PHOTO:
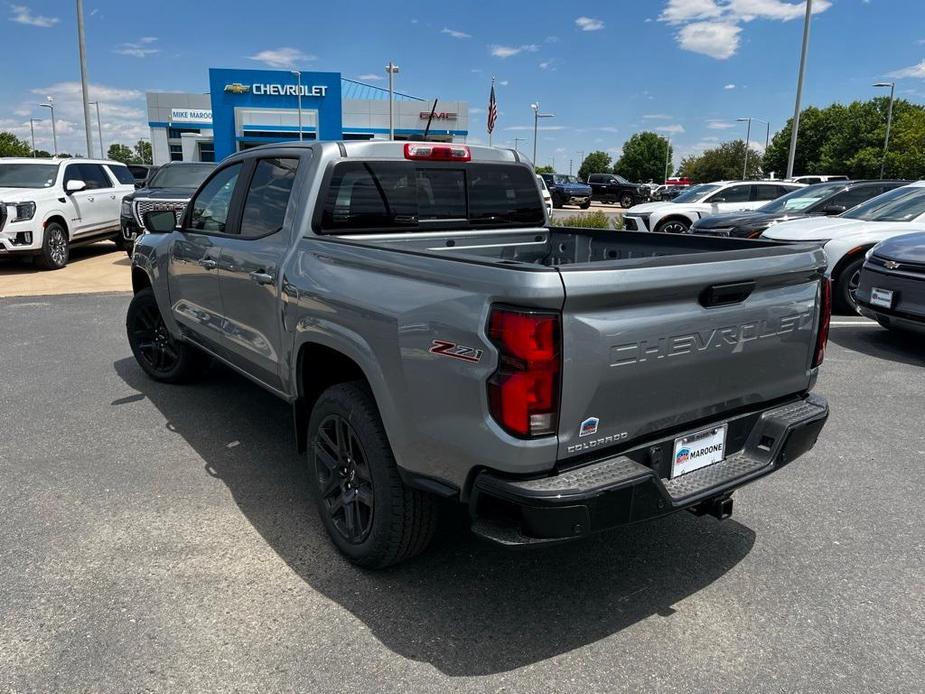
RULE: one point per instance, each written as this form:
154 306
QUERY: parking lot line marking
864 324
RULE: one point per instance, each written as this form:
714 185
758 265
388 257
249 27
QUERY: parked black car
608 187
892 284
567 190
667 192
169 188
812 201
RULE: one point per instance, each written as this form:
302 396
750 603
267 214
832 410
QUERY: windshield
28 175
622 180
802 198
695 193
393 196
185 176
562 178
897 205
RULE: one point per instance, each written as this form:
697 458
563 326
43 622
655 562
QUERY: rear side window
389 196
766 193
268 197
123 175
209 209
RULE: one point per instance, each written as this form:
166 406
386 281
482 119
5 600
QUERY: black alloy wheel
673 226
156 348
626 200
344 478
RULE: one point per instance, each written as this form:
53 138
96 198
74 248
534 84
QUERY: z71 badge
451 349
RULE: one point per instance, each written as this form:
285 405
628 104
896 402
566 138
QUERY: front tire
368 512
157 352
673 226
626 201
846 284
56 248
585 205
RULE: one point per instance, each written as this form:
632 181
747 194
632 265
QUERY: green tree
596 162
544 169
42 154
12 146
722 163
121 153
643 158
143 152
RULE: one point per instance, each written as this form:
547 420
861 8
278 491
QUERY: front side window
268 197
209 209
93 176
898 205
731 194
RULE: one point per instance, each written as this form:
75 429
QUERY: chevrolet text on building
289 90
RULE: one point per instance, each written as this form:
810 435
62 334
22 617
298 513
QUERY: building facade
246 108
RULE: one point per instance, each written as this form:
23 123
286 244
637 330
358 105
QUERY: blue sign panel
272 89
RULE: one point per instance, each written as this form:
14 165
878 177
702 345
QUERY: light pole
54 134
84 80
667 157
748 137
392 70
536 119
32 122
298 94
796 109
516 140
889 122
99 127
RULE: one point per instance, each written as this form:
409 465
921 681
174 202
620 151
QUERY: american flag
492 109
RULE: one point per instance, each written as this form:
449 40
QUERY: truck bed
566 247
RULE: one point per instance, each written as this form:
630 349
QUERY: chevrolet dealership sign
260 89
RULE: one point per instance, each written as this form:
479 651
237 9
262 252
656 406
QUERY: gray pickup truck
436 337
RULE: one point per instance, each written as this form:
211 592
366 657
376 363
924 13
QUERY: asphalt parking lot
161 538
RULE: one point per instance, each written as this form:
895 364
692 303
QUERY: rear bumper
629 488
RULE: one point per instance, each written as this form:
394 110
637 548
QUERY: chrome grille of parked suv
141 207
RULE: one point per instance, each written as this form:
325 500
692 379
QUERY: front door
250 269
84 216
194 255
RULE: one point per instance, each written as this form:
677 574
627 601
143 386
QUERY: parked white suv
676 216
49 205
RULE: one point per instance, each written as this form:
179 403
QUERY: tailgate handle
726 294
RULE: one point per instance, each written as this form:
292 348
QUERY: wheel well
847 259
318 368
60 220
140 280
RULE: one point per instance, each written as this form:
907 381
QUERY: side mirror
833 209
160 221
74 186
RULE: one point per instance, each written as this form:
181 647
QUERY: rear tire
157 352
370 515
846 284
56 248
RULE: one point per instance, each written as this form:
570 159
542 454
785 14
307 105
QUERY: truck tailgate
655 347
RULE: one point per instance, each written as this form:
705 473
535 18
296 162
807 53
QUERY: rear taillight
432 152
825 317
523 393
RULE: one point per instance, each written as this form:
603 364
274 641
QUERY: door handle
90 199
208 263
261 277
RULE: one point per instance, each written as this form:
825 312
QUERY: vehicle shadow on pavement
905 348
466 607
23 265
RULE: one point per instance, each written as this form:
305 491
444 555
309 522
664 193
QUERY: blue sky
687 68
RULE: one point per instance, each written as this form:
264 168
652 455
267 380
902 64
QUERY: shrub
590 220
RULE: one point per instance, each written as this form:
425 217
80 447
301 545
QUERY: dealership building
246 108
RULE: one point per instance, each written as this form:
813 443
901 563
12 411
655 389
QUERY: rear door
651 347
250 265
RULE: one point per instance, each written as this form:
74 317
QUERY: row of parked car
48 206
875 260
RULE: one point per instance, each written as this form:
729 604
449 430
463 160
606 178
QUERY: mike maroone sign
438 115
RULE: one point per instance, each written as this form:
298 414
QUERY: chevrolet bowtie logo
890 264
237 88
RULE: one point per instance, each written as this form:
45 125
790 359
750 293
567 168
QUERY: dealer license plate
698 450
881 297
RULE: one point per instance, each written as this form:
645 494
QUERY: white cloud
657 116
456 34
609 129
718 40
476 111
282 57
720 124
141 48
370 77
21 14
508 51
675 129
917 71
548 64
729 86
712 27
589 24
503 83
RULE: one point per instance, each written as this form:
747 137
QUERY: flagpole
489 132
